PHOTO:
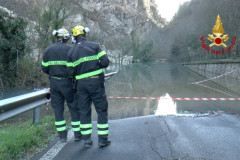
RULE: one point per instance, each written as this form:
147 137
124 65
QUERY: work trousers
92 90
61 90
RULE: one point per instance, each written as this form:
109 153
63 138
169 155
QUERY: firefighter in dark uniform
86 62
54 64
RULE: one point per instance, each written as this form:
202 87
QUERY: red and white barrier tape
181 99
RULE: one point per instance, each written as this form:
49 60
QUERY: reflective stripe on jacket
54 60
86 59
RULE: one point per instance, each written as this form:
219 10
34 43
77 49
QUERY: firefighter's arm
103 58
45 67
71 69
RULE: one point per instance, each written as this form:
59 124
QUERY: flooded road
164 80
162 137
155 80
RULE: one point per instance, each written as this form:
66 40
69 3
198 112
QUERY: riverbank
223 72
211 61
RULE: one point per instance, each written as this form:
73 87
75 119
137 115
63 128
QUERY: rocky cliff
121 26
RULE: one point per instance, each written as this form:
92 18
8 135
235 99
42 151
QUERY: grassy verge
23 141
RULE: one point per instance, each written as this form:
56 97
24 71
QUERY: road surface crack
167 139
154 149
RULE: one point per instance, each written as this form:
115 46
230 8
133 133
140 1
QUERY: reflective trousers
61 90
92 90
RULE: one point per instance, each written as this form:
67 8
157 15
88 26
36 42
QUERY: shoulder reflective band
89 74
62 128
102 126
57 123
86 132
51 63
101 54
86 125
86 59
103 132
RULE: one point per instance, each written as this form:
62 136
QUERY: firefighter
54 64
87 61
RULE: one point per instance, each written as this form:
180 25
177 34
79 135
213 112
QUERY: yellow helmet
77 30
61 33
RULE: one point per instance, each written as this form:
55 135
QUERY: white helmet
61 33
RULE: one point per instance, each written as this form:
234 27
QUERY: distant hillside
196 19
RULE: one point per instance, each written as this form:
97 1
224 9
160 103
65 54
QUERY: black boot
78 136
104 143
88 143
63 136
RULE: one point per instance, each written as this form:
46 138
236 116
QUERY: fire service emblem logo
218 38
218 31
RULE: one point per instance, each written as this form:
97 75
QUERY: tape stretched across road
181 99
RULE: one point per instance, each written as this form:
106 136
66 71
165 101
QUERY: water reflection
160 80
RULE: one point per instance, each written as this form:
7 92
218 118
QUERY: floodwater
165 80
13 92
160 79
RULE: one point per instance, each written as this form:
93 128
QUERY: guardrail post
36 113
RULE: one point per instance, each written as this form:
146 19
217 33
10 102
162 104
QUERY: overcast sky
167 8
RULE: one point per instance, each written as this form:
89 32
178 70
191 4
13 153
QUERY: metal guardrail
108 75
16 105
11 107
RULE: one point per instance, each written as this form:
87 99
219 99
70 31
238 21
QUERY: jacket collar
81 39
59 41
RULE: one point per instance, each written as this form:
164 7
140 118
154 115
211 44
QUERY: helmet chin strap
81 36
60 39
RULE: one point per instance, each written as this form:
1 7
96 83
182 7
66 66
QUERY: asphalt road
202 137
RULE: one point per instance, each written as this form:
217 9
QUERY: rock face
116 24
